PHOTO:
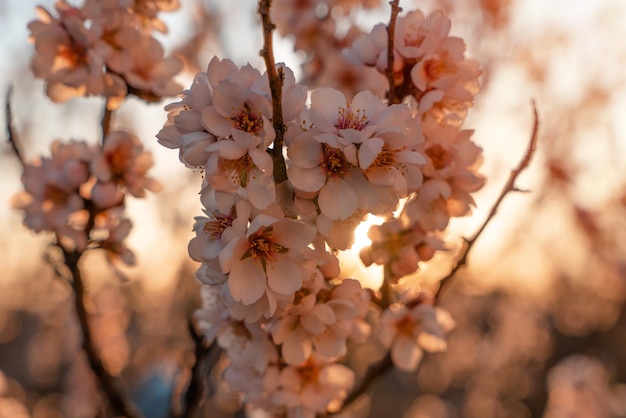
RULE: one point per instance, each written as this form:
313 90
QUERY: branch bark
392 96
11 135
117 398
276 78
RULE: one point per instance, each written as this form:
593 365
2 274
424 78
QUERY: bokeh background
541 326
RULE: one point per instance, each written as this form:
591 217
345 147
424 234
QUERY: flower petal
247 281
284 276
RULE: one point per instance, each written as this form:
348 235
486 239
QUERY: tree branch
106 121
196 389
392 96
11 135
276 78
508 187
115 395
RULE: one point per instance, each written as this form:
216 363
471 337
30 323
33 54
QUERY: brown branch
11 135
276 78
106 121
120 403
392 95
196 390
508 187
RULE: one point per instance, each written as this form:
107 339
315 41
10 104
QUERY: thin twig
508 187
11 135
120 403
106 120
381 367
276 78
393 96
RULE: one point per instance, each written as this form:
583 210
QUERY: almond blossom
399 248
69 57
408 332
116 228
428 64
265 259
450 177
51 198
124 162
320 322
310 388
354 151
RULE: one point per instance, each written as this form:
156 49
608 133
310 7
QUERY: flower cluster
274 296
314 25
79 185
428 64
103 48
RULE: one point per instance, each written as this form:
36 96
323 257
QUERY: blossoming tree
290 169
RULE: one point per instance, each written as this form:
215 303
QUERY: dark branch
115 395
393 95
276 78
508 187
196 390
106 121
11 135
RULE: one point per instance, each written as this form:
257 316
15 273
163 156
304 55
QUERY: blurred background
541 326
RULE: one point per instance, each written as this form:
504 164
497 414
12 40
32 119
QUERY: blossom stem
276 77
115 395
11 135
392 96
508 187
106 121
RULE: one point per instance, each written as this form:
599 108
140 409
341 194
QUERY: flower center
414 35
437 68
334 162
55 195
238 170
349 119
216 226
439 156
309 372
406 325
385 159
262 245
71 56
118 160
247 121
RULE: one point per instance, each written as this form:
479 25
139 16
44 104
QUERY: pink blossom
428 64
148 70
266 259
68 56
311 387
399 248
124 162
407 332
116 229
51 198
